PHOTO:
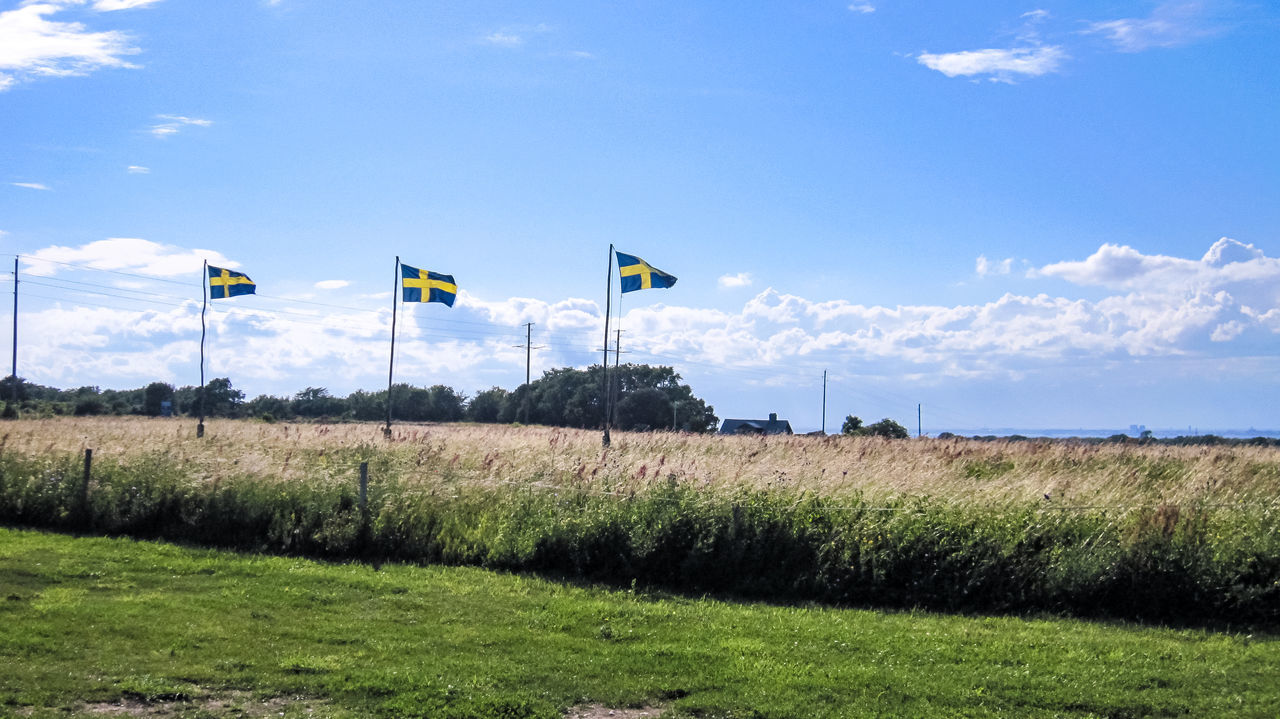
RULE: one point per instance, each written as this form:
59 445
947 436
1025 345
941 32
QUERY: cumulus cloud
1156 308
173 124
862 7
742 279
1001 65
34 45
1169 25
137 170
504 39
31 185
125 254
331 284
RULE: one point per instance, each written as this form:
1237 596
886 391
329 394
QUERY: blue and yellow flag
640 275
224 283
425 286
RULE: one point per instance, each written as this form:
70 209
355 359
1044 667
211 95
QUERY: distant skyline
1055 215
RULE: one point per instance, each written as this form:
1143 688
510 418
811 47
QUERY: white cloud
742 279
172 124
32 45
31 185
331 284
1224 305
138 170
862 7
125 254
109 5
504 39
1170 25
1001 65
986 267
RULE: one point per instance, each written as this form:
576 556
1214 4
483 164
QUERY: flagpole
204 297
386 431
604 366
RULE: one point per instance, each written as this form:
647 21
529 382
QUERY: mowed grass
175 631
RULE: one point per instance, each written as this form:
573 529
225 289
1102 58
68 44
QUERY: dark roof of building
773 425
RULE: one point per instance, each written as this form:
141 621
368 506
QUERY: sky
967 215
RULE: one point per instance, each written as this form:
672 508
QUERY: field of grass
116 627
1186 535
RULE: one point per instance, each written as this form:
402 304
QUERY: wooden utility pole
14 376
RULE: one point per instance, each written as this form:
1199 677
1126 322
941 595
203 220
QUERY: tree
887 428
644 409
153 395
884 428
317 402
852 425
487 405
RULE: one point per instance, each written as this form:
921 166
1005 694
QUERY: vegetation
645 398
1184 535
886 428
101 626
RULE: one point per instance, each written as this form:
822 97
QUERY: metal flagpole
204 296
386 431
604 366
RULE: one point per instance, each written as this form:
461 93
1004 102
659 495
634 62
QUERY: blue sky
1027 215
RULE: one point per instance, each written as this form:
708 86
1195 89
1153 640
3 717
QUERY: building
773 425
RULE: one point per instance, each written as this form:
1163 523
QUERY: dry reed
952 471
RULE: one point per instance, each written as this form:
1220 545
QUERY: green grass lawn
173 631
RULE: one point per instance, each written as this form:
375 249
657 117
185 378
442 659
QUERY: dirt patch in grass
238 704
599 711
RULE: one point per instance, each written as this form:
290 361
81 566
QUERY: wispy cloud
137 170
31 185
33 45
125 254
1000 65
331 284
173 124
516 35
862 7
504 39
1169 25
742 279
109 5
985 267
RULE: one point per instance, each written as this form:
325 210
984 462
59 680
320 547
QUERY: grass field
116 627
1185 535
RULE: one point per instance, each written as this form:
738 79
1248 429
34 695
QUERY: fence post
84 486
363 538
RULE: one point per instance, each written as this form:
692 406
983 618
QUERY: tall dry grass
952 471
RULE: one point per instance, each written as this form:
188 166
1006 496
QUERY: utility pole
918 432
824 402
14 376
528 350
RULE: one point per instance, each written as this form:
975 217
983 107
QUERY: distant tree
852 425
887 428
153 395
367 406
644 409
267 407
487 405
884 428
317 402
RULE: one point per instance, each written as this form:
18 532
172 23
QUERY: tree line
643 397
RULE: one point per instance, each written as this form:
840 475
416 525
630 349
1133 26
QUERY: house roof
773 425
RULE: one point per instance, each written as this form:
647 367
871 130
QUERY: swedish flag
425 286
224 283
640 275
